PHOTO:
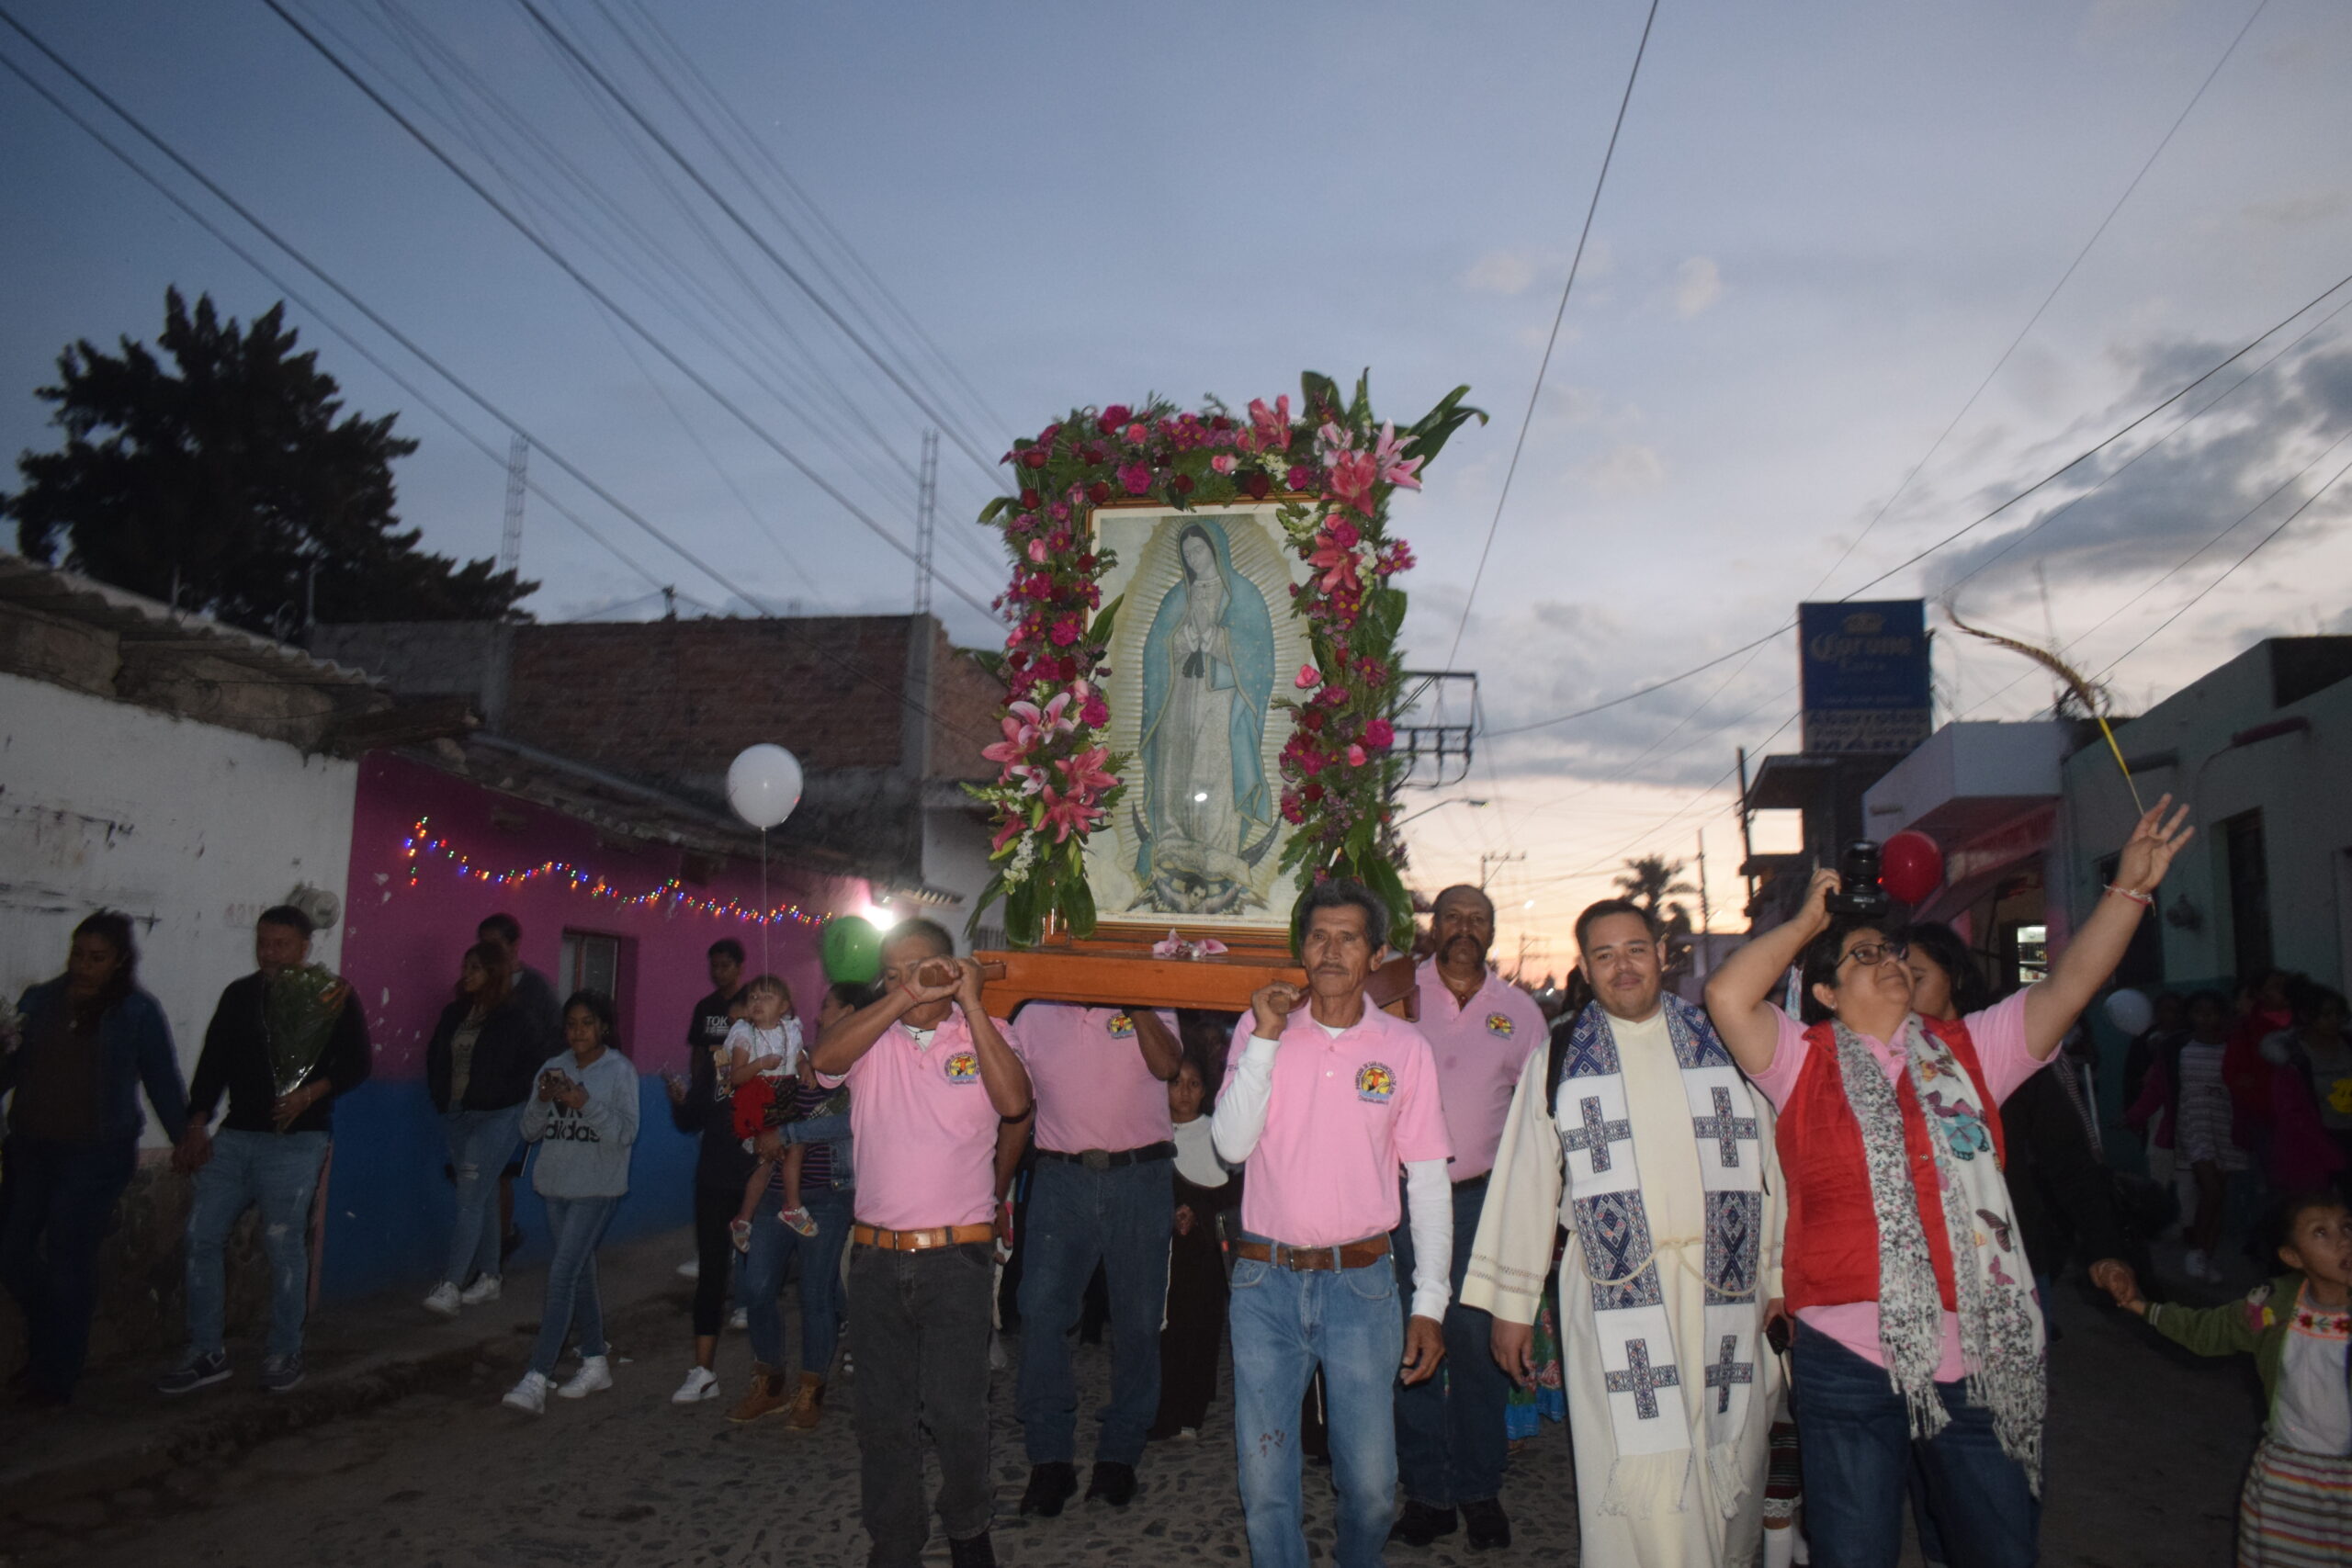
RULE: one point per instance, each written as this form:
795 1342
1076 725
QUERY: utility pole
1746 846
926 520
1496 858
518 461
1707 913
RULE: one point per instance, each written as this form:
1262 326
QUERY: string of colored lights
421 844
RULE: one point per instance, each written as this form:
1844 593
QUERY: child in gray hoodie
582 1114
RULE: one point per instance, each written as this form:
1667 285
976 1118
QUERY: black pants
57 1204
922 1363
714 1209
1194 1331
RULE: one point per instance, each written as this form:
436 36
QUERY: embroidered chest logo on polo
964 1066
1375 1082
1500 1027
1121 1027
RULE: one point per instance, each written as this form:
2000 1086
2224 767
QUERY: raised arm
838 1049
2054 1003
1739 994
1001 1072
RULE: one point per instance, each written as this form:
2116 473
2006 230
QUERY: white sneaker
690 1269
736 1319
2196 1266
530 1396
444 1300
701 1383
483 1290
595 1373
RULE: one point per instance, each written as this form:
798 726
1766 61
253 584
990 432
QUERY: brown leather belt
1313 1260
922 1240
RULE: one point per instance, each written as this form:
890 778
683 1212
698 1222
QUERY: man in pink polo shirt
932 1077
1919 1338
1451 1445
1101 1193
1325 1104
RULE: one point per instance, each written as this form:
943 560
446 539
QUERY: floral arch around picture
1317 485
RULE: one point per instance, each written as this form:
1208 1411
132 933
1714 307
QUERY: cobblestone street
2147 1449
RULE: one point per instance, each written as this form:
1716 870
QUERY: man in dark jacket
267 1155
535 998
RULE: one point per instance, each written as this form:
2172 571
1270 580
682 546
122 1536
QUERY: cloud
1626 469
1500 272
2296 211
1698 283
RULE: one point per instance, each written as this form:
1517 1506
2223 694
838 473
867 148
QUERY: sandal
802 1222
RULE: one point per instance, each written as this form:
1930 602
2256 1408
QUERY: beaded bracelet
2136 897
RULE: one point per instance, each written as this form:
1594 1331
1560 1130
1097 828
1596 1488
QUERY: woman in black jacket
478 1069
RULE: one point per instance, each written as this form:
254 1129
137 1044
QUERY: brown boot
808 1404
766 1397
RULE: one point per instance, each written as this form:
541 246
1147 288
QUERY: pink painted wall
401 942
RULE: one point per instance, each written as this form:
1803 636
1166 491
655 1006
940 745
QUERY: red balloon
1911 866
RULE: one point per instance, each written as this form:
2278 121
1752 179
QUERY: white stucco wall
189 829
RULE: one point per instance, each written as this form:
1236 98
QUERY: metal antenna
518 461
926 520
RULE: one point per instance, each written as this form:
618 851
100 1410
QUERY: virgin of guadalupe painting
1205 624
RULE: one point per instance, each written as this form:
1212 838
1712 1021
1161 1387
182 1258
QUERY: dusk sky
1824 227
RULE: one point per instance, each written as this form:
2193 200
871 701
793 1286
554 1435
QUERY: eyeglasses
1871 954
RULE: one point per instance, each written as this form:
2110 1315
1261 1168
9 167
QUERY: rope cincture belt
919 1240
1111 1159
1315 1259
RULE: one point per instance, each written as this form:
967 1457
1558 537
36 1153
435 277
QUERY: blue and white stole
1643 1368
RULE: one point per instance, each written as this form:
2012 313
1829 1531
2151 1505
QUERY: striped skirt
2296 1511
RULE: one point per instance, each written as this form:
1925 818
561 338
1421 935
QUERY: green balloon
851 950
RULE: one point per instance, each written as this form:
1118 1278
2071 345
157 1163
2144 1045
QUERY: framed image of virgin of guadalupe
1203 643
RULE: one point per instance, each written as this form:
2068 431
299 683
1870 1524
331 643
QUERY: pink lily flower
1352 477
1388 457
1271 426
1085 772
1337 563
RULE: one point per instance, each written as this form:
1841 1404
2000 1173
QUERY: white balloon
763 785
2131 1011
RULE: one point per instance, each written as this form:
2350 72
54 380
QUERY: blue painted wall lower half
390 1205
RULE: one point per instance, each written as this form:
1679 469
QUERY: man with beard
1640 1114
1450 1445
1328 1101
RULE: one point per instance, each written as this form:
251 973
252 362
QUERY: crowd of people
1785 1254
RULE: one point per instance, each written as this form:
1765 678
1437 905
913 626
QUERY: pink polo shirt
1343 1118
924 1127
1481 1047
1998 1034
1094 1088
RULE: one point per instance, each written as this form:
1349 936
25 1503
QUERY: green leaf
1321 395
1023 919
1381 877
988 895
995 505
1435 427
1360 410
1078 906
1105 619
1382 619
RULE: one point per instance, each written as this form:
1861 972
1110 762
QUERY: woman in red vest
1918 1328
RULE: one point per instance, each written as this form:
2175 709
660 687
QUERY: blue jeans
575 1226
1857 1451
759 1275
480 1145
56 1203
1283 1324
1077 1218
278 1174
1451 1442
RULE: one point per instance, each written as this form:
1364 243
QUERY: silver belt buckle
1095 1159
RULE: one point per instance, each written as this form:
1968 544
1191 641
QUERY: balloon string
764 967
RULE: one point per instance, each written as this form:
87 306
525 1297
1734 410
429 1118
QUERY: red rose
1112 417
1313 793
1034 457
1031 498
1098 493
1257 485
1181 484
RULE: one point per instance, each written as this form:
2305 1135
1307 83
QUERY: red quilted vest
1829 1254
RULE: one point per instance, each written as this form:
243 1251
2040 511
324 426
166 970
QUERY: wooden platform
1116 968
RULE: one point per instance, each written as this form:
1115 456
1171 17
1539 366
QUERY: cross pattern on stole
1727 1371
1596 1134
1643 1380
1724 1128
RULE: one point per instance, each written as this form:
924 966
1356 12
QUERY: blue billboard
1863 667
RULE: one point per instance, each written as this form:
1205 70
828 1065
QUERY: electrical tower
926 520
518 461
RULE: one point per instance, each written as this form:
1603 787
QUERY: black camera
1860 897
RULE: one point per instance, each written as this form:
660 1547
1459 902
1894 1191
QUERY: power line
2047 301
1544 365
1947 540
588 285
849 666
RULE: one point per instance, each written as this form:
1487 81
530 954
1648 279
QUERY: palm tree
1650 881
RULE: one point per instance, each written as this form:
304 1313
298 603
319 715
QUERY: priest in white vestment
1657 1158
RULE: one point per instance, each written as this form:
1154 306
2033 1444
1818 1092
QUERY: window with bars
591 962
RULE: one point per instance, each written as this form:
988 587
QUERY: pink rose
1222 462
1301 477
1038 551
1138 433
1308 678
1094 713
1356 756
1379 733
